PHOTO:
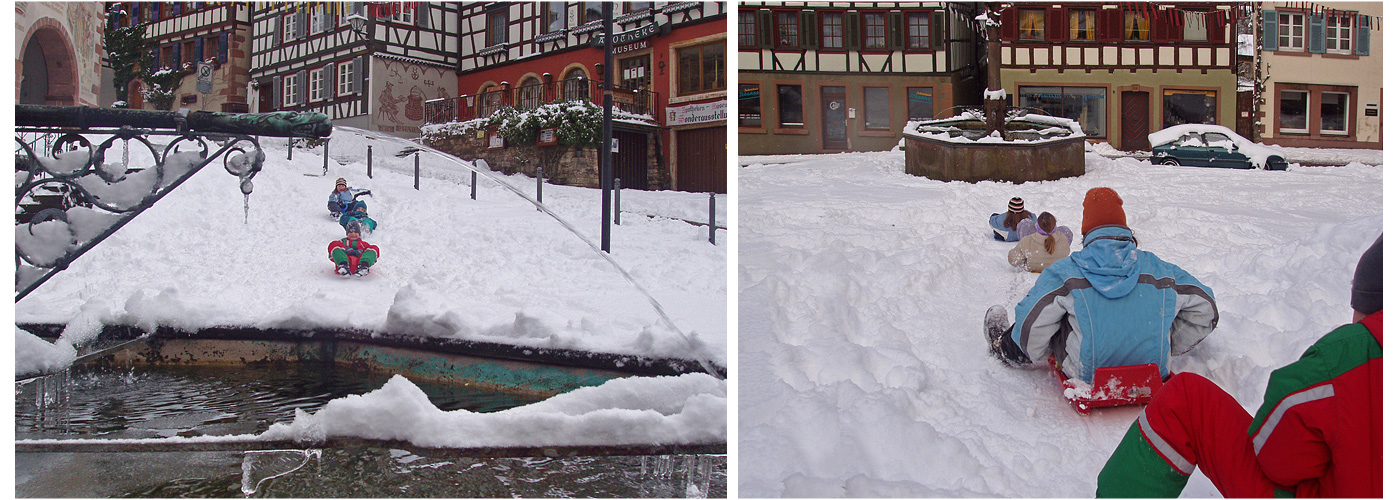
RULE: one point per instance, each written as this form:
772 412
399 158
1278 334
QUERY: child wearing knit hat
1109 304
1006 226
343 197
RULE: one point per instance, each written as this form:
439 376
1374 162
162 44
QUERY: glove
355 252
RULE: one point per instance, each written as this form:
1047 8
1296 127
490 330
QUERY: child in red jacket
1319 432
351 254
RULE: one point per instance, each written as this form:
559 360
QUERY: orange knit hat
1101 206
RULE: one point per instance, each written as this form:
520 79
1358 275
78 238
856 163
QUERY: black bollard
616 202
371 161
473 184
539 181
289 148
713 217
325 157
417 168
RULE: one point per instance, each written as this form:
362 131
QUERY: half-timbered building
668 74
187 33
1122 70
368 65
846 76
1323 68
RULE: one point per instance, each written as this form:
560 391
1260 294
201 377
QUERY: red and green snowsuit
1319 432
354 254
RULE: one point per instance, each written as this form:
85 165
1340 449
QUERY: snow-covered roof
1255 152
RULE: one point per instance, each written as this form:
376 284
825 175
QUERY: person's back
1039 247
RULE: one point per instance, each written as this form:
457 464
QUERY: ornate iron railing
72 195
470 107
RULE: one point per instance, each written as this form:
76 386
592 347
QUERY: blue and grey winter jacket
1111 304
997 224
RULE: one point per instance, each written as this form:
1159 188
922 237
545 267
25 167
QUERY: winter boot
342 269
362 271
997 322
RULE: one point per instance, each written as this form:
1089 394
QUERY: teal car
1211 146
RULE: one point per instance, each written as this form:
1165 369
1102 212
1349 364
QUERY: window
788 30
575 85
187 53
920 105
635 72
289 26
1291 31
701 68
166 54
592 11
290 97
1339 33
1334 113
210 48
531 93
747 29
636 6
1190 106
1293 107
346 78
316 87
876 108
875 31
1082 25
1085 105
496 28
919 30
1195 27
1031 24
350 9
555 17
789 106
1137 26
491 101
404 13
832 30
749 105
319 20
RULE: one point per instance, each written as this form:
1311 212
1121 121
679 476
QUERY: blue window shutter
1269 30
199 48
222 48
1316 40
178 5
134 10
1361 42
175 56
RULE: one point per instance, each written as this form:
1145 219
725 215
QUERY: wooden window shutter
936 31
1218 28
1056 25
1316 37
1158 20
895 30
421 15
1009 25
1104 24
276 30
853 34
301 85
809 31
277 92
223 47
1269 30
358 77
301 22
1361 37
764 29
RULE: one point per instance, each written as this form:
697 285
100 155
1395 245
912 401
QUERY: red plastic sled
1111 386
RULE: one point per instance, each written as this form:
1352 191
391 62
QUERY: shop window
1082 25
749 105
1031 24
920 104
1137 26
789 106
635 74
875 31
919 30
1085 105
701 68
1190 106
876 108
788 30
555 17
832 30
497 24
747 29
1334 113
1339 33
1293 108
1291 31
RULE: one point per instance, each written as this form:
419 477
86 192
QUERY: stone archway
48 68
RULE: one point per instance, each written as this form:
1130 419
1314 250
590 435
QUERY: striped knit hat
340 182
1016 204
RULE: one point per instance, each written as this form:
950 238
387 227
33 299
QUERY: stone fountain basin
957 150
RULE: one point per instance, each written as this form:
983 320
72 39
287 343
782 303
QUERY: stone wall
574 167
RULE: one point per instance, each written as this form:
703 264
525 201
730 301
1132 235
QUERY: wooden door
834 132
702 162
264 98
1135 121
629 162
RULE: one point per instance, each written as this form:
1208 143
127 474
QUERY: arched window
575 85
531 92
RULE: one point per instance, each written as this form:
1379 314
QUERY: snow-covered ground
495 269
863 369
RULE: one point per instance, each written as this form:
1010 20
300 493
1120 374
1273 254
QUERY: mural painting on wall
84 20
402 92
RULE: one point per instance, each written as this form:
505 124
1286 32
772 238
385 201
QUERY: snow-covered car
1211 146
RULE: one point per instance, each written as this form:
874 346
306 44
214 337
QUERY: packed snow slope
862 291
494 269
